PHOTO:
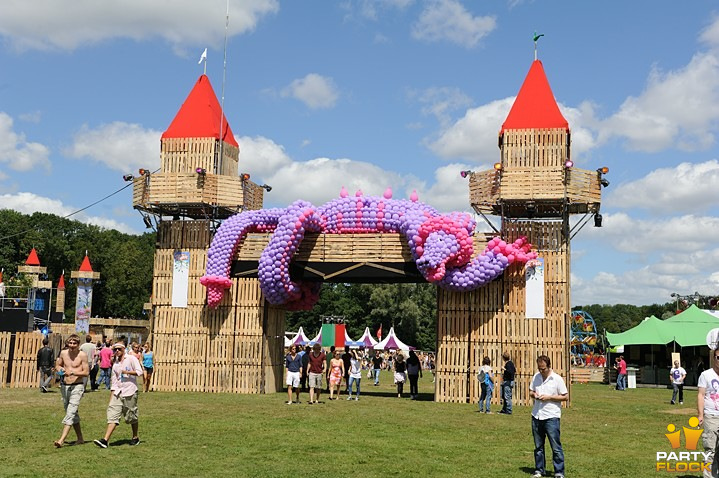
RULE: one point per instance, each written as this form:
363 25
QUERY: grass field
605 434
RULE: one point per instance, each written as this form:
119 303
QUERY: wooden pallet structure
238 347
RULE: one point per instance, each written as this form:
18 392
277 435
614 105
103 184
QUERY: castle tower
38 299
198 176
533 188
83 302
200 182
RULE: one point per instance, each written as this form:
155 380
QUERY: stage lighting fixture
498 166
266 187
597 220
144 172
603 170
604 182
128 177
568 163
465 173
147 221
245 176
200 171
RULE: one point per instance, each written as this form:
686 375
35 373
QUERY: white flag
203 56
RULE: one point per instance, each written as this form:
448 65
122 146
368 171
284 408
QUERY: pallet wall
491 320
233 348
4 357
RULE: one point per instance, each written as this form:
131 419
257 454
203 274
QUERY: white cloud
371 9
120 146
449 20
28 203
314 90
685 188
676 109
687 233
18 153
473 137
440 102
48 24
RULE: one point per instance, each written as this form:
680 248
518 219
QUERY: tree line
124 261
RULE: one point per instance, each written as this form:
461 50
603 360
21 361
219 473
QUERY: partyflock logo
683 461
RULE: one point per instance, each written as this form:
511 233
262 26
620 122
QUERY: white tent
367 340
288 342
300 338
392 342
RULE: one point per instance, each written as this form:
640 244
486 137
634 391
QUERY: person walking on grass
355 374
508 373
335 374
376 366
677 375
106 365
414 372
293 363
316 369
123 397
400 373
548 391
148 364
486 382
71 365
45 360
708 409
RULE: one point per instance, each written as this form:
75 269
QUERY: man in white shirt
548 391
677 375
123 396
708 406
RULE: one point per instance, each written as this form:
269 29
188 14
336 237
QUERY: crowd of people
77 366
307 367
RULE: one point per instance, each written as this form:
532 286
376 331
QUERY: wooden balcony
535 192
195 195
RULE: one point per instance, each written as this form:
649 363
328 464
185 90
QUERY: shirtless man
71 365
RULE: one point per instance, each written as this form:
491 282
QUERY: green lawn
605 434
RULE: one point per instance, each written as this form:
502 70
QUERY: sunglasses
716 357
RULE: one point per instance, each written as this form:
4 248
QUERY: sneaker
558 475
43 389
134 441
488 412
288 403
102 443
681 403
356 399
349 398
672 402
537 475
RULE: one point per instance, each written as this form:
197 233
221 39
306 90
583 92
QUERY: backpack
482 376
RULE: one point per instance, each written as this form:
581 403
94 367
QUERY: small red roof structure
61 282
85 266
535 106
32 259
199 116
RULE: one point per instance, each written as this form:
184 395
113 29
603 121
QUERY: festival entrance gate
236 345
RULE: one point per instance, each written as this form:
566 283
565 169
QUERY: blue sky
377 93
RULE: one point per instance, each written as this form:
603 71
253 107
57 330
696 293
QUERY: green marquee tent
689 328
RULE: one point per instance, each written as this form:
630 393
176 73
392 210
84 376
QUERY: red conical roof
199 116
32 259
535 106
61 282
85 266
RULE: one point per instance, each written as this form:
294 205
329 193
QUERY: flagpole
222 105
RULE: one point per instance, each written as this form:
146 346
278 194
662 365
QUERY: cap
118 345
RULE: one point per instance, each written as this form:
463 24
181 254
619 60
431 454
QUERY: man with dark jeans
508 373
45 363
548 391
376 366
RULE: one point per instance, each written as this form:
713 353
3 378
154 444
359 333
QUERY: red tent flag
333 334
379 332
